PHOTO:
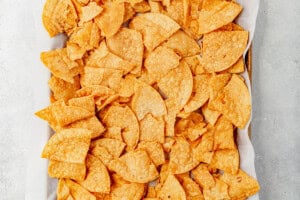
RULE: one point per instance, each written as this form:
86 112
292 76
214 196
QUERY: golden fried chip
151 192
97 178
62 89
102 58
152 129
192 189
170 118
204 147
102 153
177 10
113 146
130 191
128 12
95 90
154 150
222 49
194 62
141 7
200 93
182 157
202 176
128 45
68 145
217 13
241 185
75 52
226 160
135 166
231 27
155 28
160 61
223 137
62 191
92 123
123 117
237 67
219 191
111 18
211 116
113 133
169 141
90 11
58 169
217 83
177 84
147 100
59 16
60 65
86 102
78 192
234 102
155 6
183 44
172 189
86 37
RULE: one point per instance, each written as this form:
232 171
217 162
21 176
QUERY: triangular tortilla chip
58 169
218 191
154 150
172 189
78 192
226 160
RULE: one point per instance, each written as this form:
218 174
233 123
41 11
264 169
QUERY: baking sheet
38 185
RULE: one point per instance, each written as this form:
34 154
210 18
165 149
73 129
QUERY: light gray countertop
276 91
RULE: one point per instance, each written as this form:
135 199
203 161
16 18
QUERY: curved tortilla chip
62 89
154 150
155 28
192 189
203 177
152 129
171 189
58 169
78 192
135 166
222 49
114 147
69 145
226 160
130 191
90 11
219 191
211 116
223 137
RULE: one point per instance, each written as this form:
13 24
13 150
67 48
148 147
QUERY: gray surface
276 90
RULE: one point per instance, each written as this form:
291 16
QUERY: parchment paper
38 185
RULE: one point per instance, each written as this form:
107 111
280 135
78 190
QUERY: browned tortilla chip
102 153
152 129
97 178
223 137
172 189
219 191
217 13
59 16
217 83
177 10
113 133
86 102
128 45
226 160
222 49
202 176
194 62
123 117
155 28
182 157
69 145
154 150
130 191
211 116
58 169
78 192
204 148
90 11
192 189
111 18
62 190
141 7
114 147
234 102
237 67
241 185
183 44
135 166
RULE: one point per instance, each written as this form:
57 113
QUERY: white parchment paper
38 186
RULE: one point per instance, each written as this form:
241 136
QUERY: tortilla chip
59 16
194 62
112 10
177 10
241 185
183 44
177 84
69 145
60 65
200 93
217 13
223 137
132 191
203 177
219 191
169 141
152 129
160 61
75 52
113 133
141 7
211 116
86 102
170 118
226 160
155 28
102 153
171 189
204 148
154 150
128 12
192 189
135 166
234 102
95 90
97 178
237 67
155 6
102 58
58 169
182 157
147 100
62 191
62 89
217 83
128 45
123 117
79 192
113 146
90 11
222 49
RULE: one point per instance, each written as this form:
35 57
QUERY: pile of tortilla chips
146 99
